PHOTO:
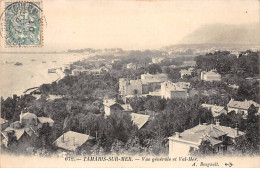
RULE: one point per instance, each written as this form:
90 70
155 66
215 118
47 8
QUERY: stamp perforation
41 24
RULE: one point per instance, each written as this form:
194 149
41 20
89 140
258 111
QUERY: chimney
62 138
177 134
236 131
200 139
21 116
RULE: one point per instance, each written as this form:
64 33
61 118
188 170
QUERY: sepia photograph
129 83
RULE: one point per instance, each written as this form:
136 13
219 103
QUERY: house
157 60
151 83
44 120
147 84
186 72
139 119
77 72
115 60
184 85
103 69
4 123
154 78
190 140
108 66
71 141
189 63
99 70
210 76
216 110
23 135
53 97
171 90
111 107
130 87
26 127
234 86
241 106
28 119
236 53
131 66
173 66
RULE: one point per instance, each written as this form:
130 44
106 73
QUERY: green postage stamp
23 23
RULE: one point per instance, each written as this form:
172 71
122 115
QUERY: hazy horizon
135 25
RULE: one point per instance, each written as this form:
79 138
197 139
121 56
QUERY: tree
11 138
45 133
205 148
155 104
154 69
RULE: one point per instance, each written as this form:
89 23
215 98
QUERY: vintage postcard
130 83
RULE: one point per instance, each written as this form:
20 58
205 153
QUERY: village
151 105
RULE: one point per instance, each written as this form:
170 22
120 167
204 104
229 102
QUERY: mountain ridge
224 34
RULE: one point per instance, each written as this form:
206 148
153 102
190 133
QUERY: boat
18 63
52 70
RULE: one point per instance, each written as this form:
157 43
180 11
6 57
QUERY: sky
129 24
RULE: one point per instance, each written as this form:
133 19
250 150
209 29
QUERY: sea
33 71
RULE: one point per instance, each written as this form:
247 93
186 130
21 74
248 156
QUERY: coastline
33 73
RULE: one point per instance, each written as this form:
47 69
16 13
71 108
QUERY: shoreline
59 74
40 77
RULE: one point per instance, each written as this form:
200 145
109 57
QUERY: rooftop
109 102
242 104
2 121
139 119
127 107
19 132
45 120
214 109
28 115
172 86
210 132
211 72
71 140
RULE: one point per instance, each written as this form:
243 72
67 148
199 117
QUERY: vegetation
80 107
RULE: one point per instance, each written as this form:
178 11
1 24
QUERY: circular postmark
22 23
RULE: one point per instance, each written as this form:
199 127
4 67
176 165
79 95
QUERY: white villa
131 66
241 106
148 83
189 140
210 76
186 72
171 90
157 60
